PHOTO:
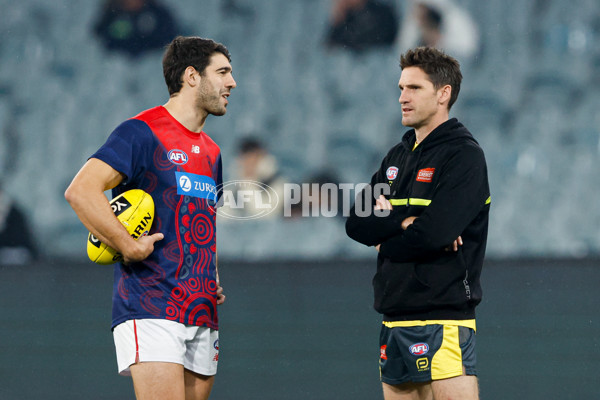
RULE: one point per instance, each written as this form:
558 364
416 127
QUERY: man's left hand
220 296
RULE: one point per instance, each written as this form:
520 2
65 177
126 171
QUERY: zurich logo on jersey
201 186
177 157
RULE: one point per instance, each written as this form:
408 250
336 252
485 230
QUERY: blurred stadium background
299 323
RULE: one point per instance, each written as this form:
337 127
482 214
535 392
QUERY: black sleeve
461 194
372 227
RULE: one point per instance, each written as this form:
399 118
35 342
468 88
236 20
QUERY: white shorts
147 340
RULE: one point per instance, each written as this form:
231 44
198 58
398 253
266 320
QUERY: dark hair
250 144
433 17
440 68
184 52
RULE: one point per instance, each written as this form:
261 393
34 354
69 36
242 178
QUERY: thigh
408 391
158 381
464 387
197 387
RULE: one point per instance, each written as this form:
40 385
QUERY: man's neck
182 110
424 131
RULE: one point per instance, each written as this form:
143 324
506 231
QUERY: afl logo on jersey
418 349
177 157
392 173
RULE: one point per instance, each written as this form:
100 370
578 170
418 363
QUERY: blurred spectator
330 197
430 24
320 197
362 24
135 26
16 241
441 24
255 164
234 8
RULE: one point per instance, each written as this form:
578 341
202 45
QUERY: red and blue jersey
181 170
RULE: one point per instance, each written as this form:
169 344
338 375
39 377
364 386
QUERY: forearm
423 236
86 196
94 211
372 229
457 200
399 249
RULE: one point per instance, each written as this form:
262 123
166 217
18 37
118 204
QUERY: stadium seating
528 97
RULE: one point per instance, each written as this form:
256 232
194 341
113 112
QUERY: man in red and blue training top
167 288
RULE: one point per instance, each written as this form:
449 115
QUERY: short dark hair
440 68
186 51
250 144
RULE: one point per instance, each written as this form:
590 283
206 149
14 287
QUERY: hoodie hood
449 131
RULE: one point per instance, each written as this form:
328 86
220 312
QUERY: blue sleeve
128 149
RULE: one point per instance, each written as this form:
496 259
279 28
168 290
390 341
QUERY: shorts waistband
469 323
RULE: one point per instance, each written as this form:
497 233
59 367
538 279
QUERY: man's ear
444 94
191 76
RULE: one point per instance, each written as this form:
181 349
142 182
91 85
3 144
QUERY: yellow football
135 210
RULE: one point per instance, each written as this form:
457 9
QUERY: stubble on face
215 86
209 99
419 103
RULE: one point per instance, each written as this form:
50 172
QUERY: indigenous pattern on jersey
181 170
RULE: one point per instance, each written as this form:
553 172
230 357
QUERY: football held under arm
86 196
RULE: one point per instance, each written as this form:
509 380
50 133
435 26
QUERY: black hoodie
444 183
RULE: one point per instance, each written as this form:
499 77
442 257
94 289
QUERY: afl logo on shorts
177 157
392 173
418 349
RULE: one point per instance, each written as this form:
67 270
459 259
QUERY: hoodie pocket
419 287
398 288
446 279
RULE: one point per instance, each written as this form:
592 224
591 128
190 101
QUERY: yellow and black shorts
422 351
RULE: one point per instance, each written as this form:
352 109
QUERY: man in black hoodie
430 230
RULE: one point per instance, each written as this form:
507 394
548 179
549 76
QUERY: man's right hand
144 246
454 246
407 222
